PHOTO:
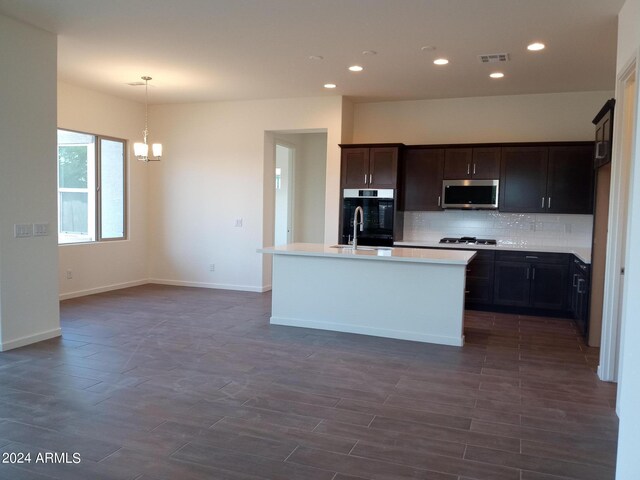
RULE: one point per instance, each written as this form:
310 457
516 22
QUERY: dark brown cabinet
604 134
482 163
479 284
369 167
422 170
547 179
512 285
570 180
579 308
534 280
457 163
523 179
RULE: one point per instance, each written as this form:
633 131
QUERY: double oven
378 208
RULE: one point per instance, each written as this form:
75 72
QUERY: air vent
494 58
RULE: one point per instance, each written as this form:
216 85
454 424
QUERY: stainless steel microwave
470 194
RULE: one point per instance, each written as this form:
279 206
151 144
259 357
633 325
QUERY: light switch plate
40 229
238 222
22 230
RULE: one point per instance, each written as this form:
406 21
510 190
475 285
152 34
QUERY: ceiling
211 50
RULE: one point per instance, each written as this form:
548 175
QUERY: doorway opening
284 185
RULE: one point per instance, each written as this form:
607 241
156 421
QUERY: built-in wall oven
378 207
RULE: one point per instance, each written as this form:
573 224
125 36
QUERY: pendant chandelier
141 149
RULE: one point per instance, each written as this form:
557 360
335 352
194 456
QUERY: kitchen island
404 293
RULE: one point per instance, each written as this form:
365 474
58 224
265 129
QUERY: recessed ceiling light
369 52
316 57
534 47
356 68
329 85
441 61
496 75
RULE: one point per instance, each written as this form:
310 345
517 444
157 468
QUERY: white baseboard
376 332
106 288
218 286
29 339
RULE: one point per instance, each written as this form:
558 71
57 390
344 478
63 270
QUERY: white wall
310 181
28 280
213 172
104 266
516 118
628 466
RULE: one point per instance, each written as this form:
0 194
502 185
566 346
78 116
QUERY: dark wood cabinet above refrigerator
604 134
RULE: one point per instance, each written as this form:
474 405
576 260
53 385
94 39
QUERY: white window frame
93 191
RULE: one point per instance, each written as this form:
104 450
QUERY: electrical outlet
69 274
212 267
238 222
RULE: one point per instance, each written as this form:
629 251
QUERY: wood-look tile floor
159 382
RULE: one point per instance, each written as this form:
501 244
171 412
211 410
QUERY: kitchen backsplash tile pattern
518 229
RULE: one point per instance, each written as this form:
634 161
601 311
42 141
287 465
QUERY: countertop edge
582 253
368 256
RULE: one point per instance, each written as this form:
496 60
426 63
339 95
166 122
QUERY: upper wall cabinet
482 163
570 180
523 180
547 179
369 166
422 170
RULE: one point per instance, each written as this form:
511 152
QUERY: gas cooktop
469 241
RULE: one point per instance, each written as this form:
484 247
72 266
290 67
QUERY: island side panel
422 302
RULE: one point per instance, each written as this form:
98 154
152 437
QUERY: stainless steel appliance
470 194
469 241
377 219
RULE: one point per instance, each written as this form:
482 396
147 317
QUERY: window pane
112 188
76 187
72 166
74 207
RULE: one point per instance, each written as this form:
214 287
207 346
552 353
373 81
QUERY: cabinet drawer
533 257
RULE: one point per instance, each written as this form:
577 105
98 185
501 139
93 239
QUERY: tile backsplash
520 229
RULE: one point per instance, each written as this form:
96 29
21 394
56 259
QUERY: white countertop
416 255
583 253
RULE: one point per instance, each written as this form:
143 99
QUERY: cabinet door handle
365 178
533 274
549 202
528 272
474 168
580 282
598 154
370 178
575 277
542 205
531 257
468 168
439 198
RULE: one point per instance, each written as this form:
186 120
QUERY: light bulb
156 148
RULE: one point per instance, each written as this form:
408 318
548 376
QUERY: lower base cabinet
580 275
554 284
480 272
532 280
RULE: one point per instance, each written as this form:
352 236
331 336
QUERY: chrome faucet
355 225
